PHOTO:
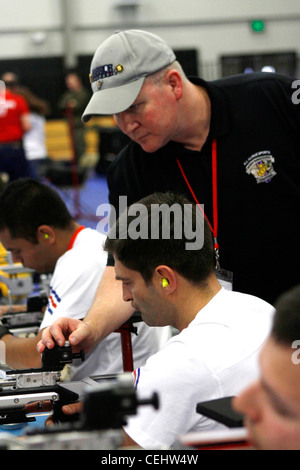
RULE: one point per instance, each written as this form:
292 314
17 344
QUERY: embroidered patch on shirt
53 301
260 165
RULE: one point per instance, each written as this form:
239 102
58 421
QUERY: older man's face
151 120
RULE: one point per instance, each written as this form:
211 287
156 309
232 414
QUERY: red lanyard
214 228
72 241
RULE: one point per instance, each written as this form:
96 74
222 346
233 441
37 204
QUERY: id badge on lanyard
224 276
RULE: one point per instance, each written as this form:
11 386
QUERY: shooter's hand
80 335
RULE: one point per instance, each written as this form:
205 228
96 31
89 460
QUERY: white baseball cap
119 67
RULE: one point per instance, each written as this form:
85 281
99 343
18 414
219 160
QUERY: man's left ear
166 278
175 81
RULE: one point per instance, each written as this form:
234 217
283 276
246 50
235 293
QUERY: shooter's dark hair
26 203
145 254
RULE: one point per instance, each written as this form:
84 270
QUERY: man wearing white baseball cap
231 145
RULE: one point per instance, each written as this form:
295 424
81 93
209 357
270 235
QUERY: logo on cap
105 71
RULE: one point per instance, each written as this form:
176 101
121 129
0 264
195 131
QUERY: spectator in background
14 123
73 102
35 139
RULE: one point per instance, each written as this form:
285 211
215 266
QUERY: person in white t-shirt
221 332
38 230
169 275
164 256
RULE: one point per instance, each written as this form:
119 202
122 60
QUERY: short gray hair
157 77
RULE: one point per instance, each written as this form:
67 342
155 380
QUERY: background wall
40 38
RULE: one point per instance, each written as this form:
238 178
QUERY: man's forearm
108 311
12 308
21 353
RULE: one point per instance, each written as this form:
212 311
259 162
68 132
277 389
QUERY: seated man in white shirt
38 230
220 331
171 280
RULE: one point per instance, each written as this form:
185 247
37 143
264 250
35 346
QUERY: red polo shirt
11 111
